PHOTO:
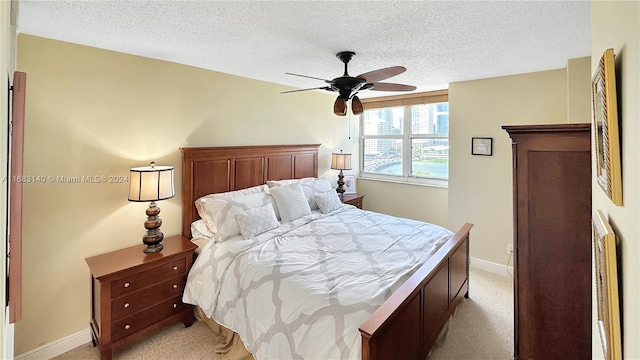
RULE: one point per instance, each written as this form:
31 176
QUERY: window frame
431 97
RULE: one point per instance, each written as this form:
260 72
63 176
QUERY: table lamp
340 162
151 183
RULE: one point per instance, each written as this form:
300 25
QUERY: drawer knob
126 305
175 306
175 268
175 286
126 327
127 284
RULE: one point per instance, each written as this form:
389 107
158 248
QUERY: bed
408 321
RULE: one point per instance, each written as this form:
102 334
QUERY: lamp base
154 236
154 248
340 190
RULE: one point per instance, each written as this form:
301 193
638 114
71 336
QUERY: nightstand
353 199
136 293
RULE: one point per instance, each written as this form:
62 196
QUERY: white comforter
302 290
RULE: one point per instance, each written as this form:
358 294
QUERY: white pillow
274 183
199 230
310 187
201 202
255 221
291 201
223 212
328 201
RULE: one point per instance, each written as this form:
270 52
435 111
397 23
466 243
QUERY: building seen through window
406 141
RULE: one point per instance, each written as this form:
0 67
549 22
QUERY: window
406 138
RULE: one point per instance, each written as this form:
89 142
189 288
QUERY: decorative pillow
255 221
274 183
223 212
310 187
291 201
328 201
201 203
199 230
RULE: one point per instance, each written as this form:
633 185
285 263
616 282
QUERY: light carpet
482 328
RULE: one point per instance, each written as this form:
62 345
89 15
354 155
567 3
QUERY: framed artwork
482 146
604 250
349 184
605 128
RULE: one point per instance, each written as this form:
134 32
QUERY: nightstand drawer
353 199
132 303
140 321
135 282
357 203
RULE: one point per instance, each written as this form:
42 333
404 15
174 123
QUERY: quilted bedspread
301 291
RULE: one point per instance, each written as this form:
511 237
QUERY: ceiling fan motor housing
347 84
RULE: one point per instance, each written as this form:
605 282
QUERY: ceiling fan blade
328 88
392 87
381 74
310 77
340 106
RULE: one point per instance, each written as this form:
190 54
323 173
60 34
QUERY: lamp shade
151 183
356 106
341 161
340 106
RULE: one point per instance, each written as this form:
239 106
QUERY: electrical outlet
509 249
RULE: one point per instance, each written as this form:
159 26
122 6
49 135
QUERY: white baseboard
8 335
491 267
61 346
58 347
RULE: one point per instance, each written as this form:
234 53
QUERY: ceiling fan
348 86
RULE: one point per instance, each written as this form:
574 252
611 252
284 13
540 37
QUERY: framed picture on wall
608 301
349 184
605 127
482 146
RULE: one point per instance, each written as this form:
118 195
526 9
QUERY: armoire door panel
555 191
552 241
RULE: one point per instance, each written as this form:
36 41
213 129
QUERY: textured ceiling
437 41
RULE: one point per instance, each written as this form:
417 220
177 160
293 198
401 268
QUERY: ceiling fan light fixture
340 106
356 106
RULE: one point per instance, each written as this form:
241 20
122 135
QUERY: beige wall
410 201
94 112
579 90
480 187
616 24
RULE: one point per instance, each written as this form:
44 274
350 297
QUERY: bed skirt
227 343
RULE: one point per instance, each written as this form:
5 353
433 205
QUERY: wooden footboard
409 322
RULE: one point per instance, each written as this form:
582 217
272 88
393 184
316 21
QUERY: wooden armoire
552 241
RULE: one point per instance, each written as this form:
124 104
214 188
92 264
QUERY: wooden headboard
209 170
